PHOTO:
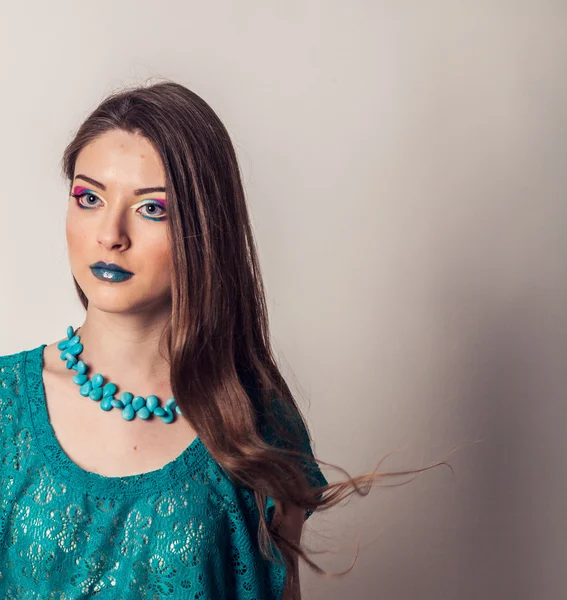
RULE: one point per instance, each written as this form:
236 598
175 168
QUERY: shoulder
11 365
13 358
15 425
47 354
16 369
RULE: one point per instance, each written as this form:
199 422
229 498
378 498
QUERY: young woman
155 451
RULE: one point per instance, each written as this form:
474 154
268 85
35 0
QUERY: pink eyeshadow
79 189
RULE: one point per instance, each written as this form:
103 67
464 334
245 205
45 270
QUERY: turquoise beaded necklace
131 405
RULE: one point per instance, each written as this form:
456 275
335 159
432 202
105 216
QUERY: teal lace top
182 531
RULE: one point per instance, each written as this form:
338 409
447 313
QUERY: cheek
163 259
156 269
75 233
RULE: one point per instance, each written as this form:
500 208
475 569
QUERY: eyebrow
137 192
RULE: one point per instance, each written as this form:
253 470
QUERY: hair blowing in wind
223 372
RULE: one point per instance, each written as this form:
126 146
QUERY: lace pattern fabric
182 531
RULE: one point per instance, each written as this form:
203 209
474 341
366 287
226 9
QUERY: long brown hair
217 335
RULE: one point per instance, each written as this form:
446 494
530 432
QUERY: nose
111 232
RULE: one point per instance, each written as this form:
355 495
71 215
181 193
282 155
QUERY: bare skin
124 321
103 442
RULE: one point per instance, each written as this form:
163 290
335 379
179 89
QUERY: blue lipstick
110 272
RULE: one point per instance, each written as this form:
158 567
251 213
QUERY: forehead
120 157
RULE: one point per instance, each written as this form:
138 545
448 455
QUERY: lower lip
110 275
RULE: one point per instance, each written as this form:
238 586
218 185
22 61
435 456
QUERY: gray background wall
405 168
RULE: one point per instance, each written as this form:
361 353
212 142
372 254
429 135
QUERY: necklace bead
131 406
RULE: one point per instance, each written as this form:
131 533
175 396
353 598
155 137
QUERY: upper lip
110 266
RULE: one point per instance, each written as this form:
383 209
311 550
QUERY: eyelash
79 196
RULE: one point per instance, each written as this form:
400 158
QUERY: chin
111 301
125 296
111 305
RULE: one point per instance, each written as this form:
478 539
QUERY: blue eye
149 214
82 195
158 206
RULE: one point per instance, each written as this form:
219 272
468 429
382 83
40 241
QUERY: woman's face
116 214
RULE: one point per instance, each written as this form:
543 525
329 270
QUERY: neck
125 350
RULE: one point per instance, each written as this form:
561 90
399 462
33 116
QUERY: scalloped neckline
158 479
